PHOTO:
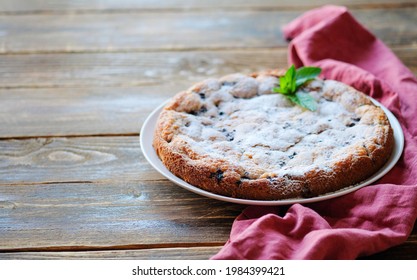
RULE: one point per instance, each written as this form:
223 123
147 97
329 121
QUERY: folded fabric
370 219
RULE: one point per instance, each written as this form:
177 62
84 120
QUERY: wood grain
120 214
51 160
196 253
113 93
142 68
406 251
131 69
92 94
146 5
115 31
79 111
77 80
178 31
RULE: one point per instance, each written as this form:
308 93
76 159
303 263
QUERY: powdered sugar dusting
238 118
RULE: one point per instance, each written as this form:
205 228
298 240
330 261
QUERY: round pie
235 137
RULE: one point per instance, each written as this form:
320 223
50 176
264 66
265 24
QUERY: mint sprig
293 79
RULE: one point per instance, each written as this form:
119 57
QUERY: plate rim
146 138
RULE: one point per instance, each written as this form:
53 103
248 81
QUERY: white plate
146 137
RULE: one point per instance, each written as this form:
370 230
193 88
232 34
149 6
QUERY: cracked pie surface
233 136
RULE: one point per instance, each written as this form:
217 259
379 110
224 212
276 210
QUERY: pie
235 137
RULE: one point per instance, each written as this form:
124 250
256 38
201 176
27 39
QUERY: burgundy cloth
368 220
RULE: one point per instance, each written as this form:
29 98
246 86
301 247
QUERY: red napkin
368 220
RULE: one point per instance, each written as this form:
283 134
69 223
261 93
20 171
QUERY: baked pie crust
233 136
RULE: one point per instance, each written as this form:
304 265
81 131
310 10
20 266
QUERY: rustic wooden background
77 80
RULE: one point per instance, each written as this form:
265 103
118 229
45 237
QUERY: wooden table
78 79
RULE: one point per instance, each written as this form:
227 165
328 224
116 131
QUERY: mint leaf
287 83
294 99
290 75
292 80
306 100
305 74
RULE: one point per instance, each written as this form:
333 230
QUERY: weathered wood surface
13 6
130 69
126 214
180 253
142 69
79 159
177 31
77 80
95 99
79 111
404 251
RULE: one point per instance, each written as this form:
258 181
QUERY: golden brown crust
355 162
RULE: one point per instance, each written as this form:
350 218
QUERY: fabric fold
371 219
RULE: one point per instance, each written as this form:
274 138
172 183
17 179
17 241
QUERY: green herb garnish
290 83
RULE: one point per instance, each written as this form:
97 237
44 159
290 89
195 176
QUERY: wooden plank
143 81
117 215
183 31
49 160
78 94
406 251
103 5
143 68
131 69
147 31
148 68
195 253
79 111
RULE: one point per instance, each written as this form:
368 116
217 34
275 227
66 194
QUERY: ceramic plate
146 137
